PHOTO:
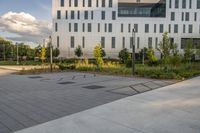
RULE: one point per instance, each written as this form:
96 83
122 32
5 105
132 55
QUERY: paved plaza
29 100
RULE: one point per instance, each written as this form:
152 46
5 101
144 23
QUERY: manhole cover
93 87
35 77
65 83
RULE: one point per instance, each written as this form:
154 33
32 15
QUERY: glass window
83 27
146 28
123 42
113 42
122 27
89 3
136 27
170 3
97 3
129 27
70 3
86 14
113 15
75 27
83 3
182 16
75 3
156 42
198 4
155 28
183 3
70 27
190 28
72 41
92 15
150 43
161 28
78 17
72 15
176 28
131 42
62 3
195 16
110 3
105 28
169 28
176 3
66 14
58 41
110 27
103 42
83 42
103 3
89 27
138 42
103 15
172 16
184 28
187 16
190 4
99 27
59 14
56 27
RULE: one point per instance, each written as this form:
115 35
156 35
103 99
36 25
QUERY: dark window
172 16
182 16
66 14
75 3
170 3
169 28
75 27
156 42
146 28
131 42
92 15
136 27
62 3
176 3
58 14
86 14
195 42
161 28
83 42
99 28
89 27
190 4
138 42
97 3
56 27
187 16
70 27
72 41
129 27
183 3
110 3
58 41
89 3
113 42
150 43
83 3
72 15
113 15
105 28
176 28
103 3
184 28
78 17
110 27
123 42
70 3
122 27
195 16
103 15
190 28
155 28
198 4
103 42
83 28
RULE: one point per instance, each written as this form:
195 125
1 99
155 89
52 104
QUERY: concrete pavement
171 109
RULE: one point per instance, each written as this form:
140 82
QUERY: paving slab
157 111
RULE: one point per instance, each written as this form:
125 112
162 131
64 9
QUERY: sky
25 20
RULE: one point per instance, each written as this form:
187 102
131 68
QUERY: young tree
56 52
43 54
98 56
151 56
188 51
78 51
123 55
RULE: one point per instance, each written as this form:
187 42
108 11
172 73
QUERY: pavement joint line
94 82
134 89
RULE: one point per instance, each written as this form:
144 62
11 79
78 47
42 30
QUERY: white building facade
110 23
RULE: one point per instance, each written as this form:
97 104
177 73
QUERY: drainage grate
66 83
35 77
93 87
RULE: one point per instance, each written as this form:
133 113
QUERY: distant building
110 23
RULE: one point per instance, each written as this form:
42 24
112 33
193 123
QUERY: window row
108 27
185 16
185 4
77 15
87 3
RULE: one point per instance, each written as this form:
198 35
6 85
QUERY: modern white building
110 23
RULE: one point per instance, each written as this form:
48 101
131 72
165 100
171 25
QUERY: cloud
26 26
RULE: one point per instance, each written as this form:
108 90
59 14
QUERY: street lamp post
17 54
133 52
51 58
143 56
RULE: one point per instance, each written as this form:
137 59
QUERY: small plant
98 56
151 57
78 51
124 55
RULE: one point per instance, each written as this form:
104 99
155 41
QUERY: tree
98 56
188 50
78 51
56 52
123 55
151 56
